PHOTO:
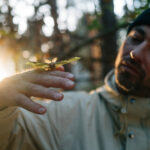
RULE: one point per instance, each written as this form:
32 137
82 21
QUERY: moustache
127 61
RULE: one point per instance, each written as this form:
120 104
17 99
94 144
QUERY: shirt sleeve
24 130
7 118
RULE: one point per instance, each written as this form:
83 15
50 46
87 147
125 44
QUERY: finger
54 81
61 68
49 80
35 90
30 105
62 74
31 75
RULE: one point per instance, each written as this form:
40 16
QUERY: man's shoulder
79 98
84 95
82 98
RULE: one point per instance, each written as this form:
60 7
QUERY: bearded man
116 116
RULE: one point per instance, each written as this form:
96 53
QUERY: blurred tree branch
91 40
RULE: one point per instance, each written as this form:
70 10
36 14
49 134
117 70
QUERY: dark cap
142 19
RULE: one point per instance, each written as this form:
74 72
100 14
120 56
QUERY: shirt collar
134 106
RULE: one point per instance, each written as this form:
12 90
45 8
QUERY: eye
136 39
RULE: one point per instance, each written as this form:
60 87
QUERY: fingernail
70 76
69 83
58 96
41 110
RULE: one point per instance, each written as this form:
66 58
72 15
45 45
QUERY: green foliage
95 24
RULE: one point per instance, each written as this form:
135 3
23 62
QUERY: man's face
132 66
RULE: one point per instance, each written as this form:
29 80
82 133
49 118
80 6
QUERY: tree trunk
54 14
109 42
58 49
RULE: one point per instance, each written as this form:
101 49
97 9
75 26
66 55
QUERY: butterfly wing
52 65
38 65
63 62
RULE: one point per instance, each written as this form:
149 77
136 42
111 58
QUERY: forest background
36 30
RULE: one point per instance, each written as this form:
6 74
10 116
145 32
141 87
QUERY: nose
132 55
138 53
136 56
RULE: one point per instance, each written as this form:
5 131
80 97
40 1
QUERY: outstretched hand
17 90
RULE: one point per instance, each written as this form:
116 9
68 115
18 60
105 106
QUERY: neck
139 92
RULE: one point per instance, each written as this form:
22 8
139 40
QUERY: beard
129 76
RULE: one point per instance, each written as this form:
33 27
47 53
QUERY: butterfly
51 64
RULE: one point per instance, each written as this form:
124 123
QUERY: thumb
28 104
